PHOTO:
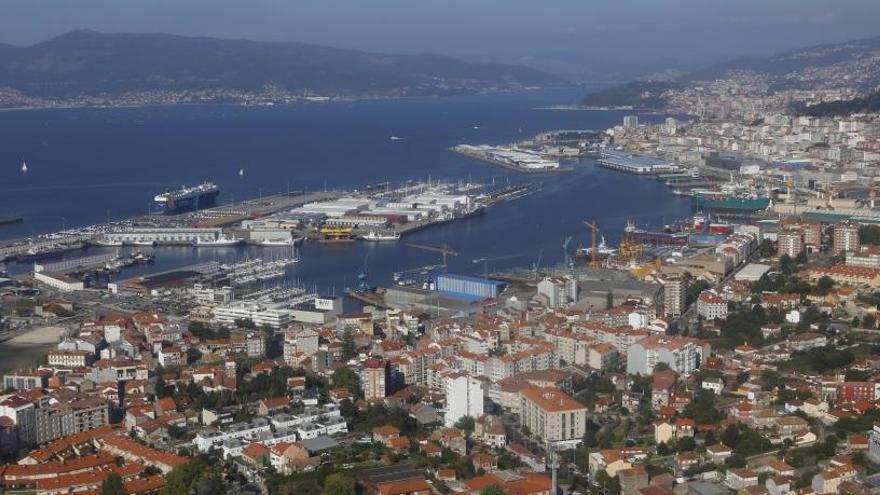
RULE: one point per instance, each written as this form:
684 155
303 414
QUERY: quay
516 160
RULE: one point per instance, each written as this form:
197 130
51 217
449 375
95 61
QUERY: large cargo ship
634 235
188 198
728 205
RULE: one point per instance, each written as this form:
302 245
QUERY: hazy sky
566 35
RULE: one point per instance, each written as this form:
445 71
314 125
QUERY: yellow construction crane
444 250
789 187
594 259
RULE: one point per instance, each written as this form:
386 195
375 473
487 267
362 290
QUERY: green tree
345 377
869 321
824 284
349 349
112 485
188 478
339 484
801 258
466 424
493 489
609 300
786 264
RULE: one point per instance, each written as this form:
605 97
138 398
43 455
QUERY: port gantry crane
594 230
444 251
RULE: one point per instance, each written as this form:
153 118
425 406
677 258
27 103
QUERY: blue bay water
87 164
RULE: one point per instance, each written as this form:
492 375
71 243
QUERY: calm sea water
86 165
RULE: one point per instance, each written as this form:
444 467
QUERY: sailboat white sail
24 167
241 172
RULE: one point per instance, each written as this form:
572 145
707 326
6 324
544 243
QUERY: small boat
24 167
143 243
221 241
395 138
241 172
375 236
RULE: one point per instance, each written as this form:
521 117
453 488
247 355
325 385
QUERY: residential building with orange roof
552 414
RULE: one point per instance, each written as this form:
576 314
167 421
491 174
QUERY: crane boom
594 260
444 250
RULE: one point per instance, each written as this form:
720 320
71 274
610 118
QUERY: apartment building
680 353
552 414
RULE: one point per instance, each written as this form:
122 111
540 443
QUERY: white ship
375 236
221 241
108 242
143 243
278 242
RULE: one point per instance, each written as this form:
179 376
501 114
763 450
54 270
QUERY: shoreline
270 104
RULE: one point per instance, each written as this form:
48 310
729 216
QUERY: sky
580 38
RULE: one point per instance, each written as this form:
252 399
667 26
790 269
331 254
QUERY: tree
466 424
786 264
824 284
766 249
493 489
869 321
112 485
609 300
349 349
801 258
345 377
339 483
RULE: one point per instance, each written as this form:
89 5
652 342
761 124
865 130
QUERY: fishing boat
221 241
375 236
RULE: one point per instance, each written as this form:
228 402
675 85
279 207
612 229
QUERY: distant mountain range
90 63
851 64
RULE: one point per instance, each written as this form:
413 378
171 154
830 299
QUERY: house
275 404
431 449
781 468
632 479
484 461
738 479
524 483
718 453
399 444
384 434
829 480
255 454
714 384
664 432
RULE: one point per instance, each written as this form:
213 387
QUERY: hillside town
737 353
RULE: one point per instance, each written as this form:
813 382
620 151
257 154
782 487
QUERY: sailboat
241 172
24 167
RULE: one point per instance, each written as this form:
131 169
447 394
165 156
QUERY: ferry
375 236
188 198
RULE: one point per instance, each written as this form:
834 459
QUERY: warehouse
465 287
